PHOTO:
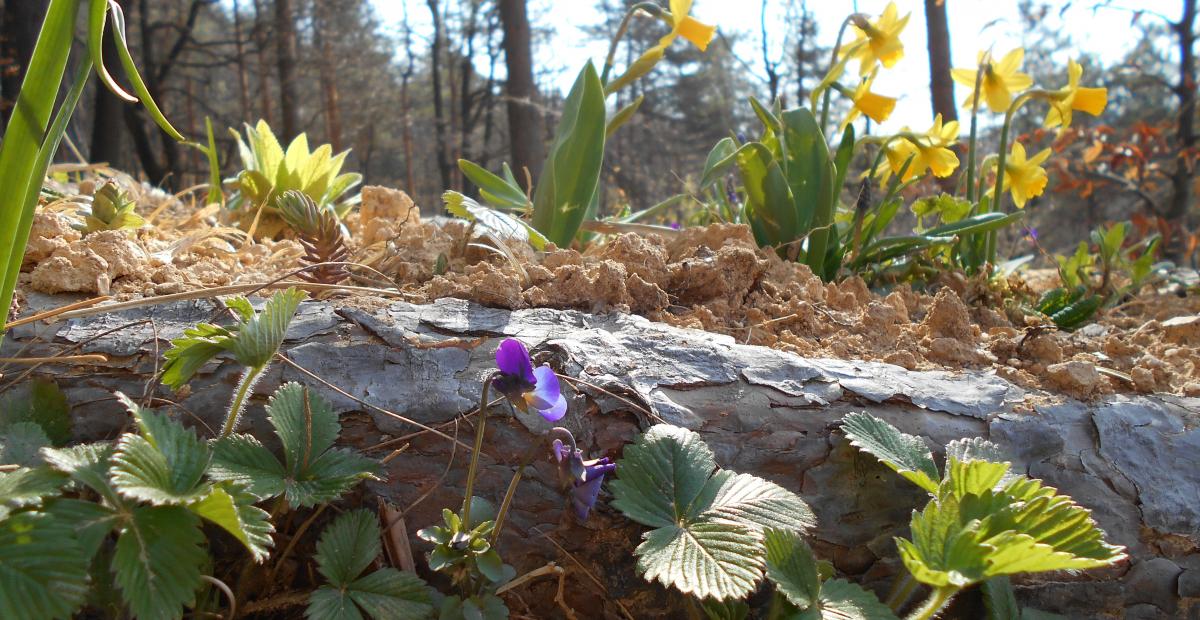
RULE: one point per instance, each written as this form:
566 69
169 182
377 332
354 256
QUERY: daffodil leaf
906 454
709 525
500 192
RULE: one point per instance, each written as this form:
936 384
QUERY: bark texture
938 37
1135 461
524 117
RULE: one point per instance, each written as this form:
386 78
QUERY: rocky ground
712 278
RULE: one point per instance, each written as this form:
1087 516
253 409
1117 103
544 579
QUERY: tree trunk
1185 137
264 73
328 73
940 84
243 74
524 115
19 29
286 58
107 132
439 108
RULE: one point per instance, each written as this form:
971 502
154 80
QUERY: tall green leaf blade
158 560
232 508
43 572
135 77
496 190
810 174
501 224
720 159
571 173
661 474
770 208
906 454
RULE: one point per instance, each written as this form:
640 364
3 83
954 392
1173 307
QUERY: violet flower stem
512 489
479 432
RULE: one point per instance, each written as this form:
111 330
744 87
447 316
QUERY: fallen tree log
1134 460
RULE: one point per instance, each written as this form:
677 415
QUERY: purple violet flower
582 478
525 386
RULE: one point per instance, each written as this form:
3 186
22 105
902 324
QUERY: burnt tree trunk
107 134
19 27
286 58
940 84
524 116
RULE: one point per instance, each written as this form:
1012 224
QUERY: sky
974 25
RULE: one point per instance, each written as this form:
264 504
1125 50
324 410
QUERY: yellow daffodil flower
877 107
1025 178
1074 97
1000 80
683 25
878 41
928 151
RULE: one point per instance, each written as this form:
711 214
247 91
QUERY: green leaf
622 116
195 348
906 454
27 487
43 572
232 507
708 540
259 338
346 548
501 224
495 190
571 175
770 207
720 159
725 610
164 465
91 522
810 175
999 599
88 464
158 560
21 444
481 607
973 477
974 449
792 567
41 402
843 600
314 472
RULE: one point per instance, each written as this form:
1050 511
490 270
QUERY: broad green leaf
906 454
194 349
27 487
163 465
720 159
232 508
792 567
92 522
706 559
494 189
943 552
43 571
708 540
973 477
810 175
87 464
348 546
770 207
41 402
481 607
21 444
661 474
314 472
501 224
571 174
158 560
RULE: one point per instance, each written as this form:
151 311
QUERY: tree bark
328 74
286 58
243 73
439 108
19 27
524 116
1185 136
940 84
107 131
264 73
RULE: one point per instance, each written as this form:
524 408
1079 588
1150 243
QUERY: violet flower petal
512 358
547 397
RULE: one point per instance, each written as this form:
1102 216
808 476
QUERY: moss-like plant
112 209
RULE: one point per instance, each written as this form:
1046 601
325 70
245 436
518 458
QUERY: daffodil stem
249 378
971 144
934 603
480 428
610 59
833 58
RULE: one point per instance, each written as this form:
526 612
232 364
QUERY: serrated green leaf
164 465
330 603
707 559
232 507
974 449
41 402
88 464
481 607
752 501
43 572
158 560
259 338
243 460
792 567
27 487
348 546
661 474
91 522
389 594
725 610
843 600
305 423
194 349
906 454
973 477
22 443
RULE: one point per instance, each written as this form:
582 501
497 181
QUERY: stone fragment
1081 379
